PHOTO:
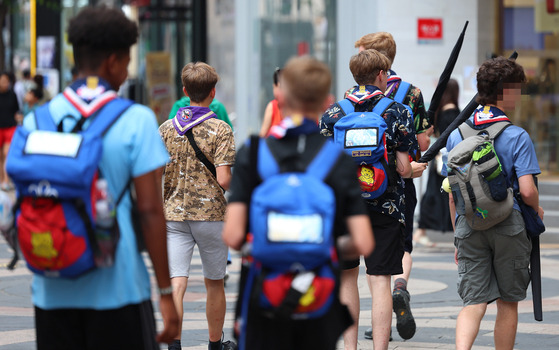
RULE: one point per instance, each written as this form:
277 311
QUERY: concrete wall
418 63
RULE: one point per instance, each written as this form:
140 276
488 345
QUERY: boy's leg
467 325
349 295
180 247
382 310
213 253
400 295
215 308
506 324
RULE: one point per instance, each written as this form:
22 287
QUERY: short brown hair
366 65
198 79
306 82
380 41
494 75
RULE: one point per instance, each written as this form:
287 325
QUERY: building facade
247 39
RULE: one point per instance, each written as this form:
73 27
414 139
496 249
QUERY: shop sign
429 30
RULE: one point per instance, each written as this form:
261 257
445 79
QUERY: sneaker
404 319
228 345
369 334
175 345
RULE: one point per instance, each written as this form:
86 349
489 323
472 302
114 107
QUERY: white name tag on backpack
53 143
295 228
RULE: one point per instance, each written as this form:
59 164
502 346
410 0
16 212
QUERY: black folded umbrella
462 117
445 76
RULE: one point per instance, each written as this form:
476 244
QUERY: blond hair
380 41
198 79
366 65
306 82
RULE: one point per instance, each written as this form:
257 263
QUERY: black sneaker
228 345
369 334
175 345
404 319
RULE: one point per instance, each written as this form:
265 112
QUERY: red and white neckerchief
362 94
91 89
489 114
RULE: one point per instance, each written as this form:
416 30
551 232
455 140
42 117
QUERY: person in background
9 109
434 213
216 106
272 113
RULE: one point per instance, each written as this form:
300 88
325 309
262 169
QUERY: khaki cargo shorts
494 263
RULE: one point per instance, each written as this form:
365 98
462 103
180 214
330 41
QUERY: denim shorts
493 263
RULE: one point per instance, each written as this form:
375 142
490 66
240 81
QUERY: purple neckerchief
392 81
190 116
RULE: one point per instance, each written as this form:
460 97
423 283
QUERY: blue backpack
401 94
292 273
362 136
56 178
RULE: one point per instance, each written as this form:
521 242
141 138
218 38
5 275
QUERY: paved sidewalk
435 305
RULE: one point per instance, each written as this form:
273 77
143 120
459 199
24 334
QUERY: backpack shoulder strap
199 154
346 106
402 91
382 105
494 130
266 163
43 118
324 161
107 116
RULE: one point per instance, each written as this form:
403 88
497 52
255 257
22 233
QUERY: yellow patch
92 82
43 245
367 176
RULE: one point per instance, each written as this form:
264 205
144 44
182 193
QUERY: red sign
429 28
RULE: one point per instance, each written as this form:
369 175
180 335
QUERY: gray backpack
479 185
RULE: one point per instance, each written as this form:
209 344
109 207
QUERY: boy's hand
170 320
418 169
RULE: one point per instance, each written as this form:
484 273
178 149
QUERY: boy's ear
184 90
212 93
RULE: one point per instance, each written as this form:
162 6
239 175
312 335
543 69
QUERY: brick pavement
435 305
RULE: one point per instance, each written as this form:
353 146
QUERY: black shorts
129 327
280 334
386 259
411 203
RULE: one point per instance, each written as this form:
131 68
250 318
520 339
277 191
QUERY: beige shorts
494 263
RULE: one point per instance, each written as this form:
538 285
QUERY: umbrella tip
466 25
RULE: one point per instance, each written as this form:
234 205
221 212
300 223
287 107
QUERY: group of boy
194 151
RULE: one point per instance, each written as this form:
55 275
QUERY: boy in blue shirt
493 263
110 308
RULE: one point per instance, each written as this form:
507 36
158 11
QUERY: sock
214 345
400 283
176 344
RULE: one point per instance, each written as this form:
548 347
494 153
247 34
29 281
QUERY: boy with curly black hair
110 308
493 263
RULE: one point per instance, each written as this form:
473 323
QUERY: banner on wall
429 30
546 16
159 84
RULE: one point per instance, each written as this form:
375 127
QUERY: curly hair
97 32
493 75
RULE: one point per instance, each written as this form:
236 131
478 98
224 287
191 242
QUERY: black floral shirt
400 136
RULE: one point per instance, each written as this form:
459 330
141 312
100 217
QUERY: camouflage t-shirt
190 191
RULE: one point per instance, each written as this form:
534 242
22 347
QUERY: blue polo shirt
132 147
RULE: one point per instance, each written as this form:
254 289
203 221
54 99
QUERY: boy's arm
360 240
223 174
235 224
529 193
150 207
403 166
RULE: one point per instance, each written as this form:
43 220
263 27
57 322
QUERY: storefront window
531 27
293 28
